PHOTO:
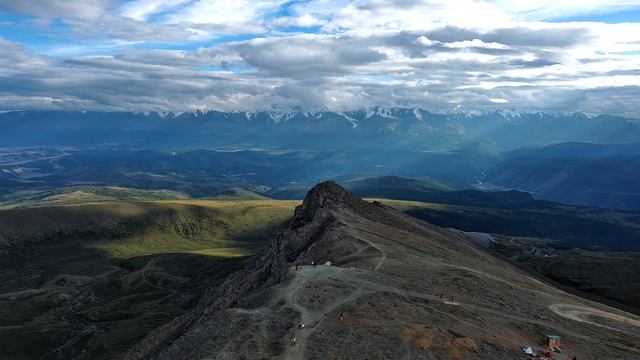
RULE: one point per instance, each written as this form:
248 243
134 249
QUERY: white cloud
475 43
425 41
473 54
238 16
305 20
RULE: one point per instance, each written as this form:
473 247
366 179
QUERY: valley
572 158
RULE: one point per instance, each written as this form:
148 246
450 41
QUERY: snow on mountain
354 122
279 117
509 114
418 114
386 113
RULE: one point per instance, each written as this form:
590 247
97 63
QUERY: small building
553 341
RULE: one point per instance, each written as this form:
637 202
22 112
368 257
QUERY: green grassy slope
124 229
93 279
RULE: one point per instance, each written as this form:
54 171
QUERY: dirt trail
312 318
383 254
593 316
309 317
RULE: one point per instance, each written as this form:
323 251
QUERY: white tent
528 350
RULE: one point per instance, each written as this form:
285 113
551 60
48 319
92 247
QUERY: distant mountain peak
325 194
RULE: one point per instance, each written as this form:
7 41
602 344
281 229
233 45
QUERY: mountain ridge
394 127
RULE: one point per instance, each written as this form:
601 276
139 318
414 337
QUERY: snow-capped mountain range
372 127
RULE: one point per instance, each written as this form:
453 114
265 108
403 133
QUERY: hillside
609 182
380 297
94 279
236 193
610 277
414 189
586 228
389 186
75 195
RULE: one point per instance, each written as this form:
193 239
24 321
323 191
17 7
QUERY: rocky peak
327 194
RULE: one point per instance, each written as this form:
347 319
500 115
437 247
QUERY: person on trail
341 317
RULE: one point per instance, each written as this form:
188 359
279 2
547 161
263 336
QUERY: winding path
590 315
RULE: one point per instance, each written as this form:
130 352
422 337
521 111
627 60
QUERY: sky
316 55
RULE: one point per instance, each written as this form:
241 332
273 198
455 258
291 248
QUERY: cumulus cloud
147 55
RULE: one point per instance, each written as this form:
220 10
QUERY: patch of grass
204 225
229 252
407 205
127 229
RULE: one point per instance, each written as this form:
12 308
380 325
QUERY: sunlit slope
126 229
75 195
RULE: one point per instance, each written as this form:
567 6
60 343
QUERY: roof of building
555 337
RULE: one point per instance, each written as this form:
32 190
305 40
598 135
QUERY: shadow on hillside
58 302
